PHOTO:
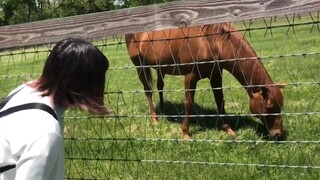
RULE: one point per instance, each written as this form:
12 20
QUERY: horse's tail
129 38
133 48
136 57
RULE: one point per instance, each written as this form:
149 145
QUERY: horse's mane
227 33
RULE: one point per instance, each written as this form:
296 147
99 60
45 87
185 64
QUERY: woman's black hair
74 74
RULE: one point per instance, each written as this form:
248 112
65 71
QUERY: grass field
125 145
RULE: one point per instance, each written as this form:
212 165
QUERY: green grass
125 144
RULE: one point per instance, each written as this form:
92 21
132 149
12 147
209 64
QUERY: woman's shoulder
17 89
27 94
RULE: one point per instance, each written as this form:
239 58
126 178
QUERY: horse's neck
253 76
242 61
245 65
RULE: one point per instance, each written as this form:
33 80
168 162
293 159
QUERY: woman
31 139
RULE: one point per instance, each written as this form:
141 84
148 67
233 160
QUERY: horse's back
167 46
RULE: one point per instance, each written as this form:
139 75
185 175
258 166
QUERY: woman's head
74 75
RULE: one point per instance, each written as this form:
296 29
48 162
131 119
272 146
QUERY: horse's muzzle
276 135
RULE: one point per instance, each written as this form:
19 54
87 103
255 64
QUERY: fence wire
126 145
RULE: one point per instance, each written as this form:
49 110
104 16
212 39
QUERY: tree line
21 11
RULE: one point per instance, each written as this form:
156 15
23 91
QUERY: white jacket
32 140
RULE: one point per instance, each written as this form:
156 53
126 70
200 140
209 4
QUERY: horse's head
267 104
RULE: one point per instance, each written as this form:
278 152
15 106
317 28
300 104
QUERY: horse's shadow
175 113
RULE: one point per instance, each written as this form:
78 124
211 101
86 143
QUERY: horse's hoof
154 120
231 133
227 129
186 137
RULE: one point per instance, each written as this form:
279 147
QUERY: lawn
125 145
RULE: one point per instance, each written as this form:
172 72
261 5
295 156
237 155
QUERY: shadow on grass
175 113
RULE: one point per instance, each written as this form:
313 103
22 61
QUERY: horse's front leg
216 84
190 84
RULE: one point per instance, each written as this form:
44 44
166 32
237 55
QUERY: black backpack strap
7 168
11 110
27 106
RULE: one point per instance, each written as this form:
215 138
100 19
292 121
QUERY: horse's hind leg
146 79
160 85
190 84
216 84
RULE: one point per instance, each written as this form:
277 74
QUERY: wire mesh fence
126 145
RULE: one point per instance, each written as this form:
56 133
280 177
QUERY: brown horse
203 52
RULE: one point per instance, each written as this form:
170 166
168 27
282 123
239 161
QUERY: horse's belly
174 70
178 69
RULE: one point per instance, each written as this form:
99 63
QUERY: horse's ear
257 95
269 104
281 85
